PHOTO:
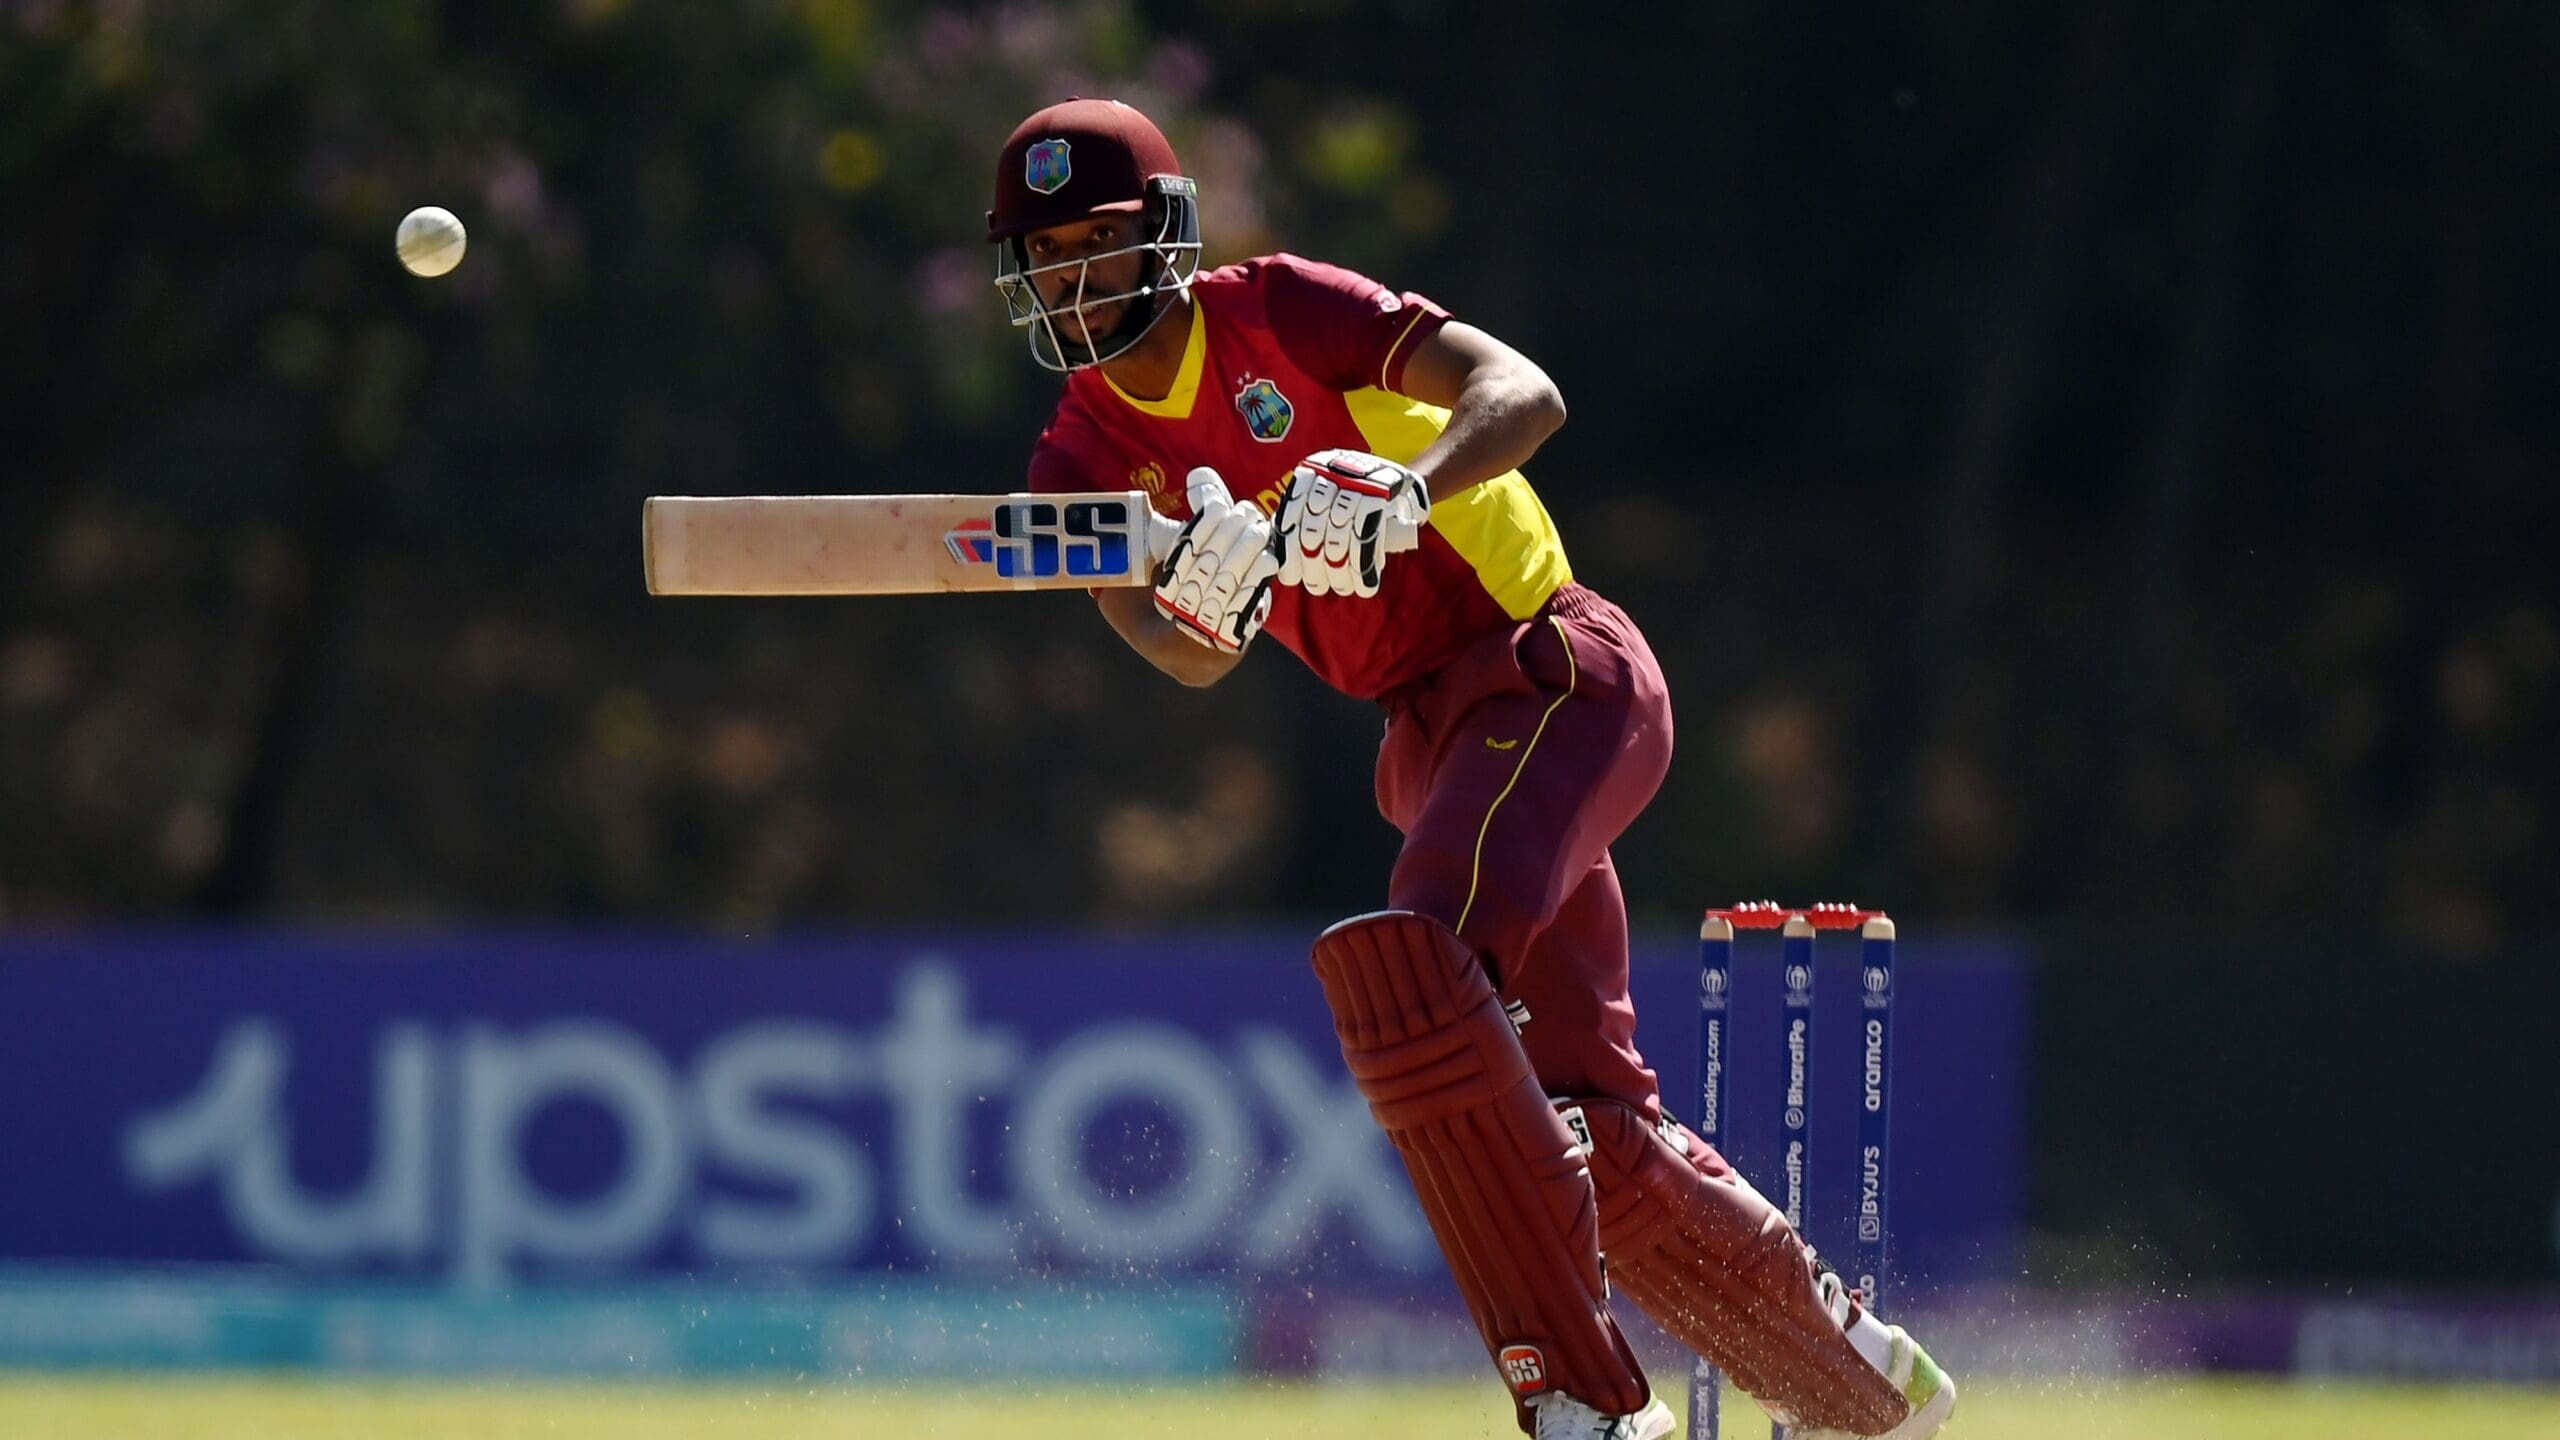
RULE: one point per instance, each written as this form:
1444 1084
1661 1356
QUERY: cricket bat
899 544
908 544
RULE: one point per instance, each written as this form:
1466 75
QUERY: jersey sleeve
1346 329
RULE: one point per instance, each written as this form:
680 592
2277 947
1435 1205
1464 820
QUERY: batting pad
1714 1263
1500 1177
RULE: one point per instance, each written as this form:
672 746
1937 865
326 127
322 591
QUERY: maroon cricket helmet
1075 161
1078 159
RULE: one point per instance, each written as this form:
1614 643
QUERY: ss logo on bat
1085 539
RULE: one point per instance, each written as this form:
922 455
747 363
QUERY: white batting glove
1335 530
1216 581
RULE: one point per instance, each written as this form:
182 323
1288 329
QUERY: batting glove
1335 534
1216 581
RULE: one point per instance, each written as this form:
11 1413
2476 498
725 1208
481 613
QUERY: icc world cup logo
1799 978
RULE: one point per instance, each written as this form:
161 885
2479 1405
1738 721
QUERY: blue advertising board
485 1110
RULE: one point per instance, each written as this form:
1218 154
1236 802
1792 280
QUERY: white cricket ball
431 241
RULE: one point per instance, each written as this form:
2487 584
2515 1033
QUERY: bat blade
897 544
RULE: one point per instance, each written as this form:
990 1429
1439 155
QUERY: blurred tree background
2080 467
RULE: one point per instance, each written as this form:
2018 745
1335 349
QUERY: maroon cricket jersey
1287 357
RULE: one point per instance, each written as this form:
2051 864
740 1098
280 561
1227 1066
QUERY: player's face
1052 257
1087 290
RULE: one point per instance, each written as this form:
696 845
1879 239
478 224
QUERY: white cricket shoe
1931 1393
1561 1417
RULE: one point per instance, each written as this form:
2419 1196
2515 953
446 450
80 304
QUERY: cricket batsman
1350 483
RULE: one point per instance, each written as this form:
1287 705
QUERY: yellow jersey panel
1498 527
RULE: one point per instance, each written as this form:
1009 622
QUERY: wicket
1797 929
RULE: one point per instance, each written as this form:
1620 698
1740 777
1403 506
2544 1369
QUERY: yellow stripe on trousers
1475 873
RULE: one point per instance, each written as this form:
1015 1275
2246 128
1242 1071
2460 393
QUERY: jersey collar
1176 405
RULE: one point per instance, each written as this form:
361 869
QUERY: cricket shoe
1561 1417
1931 1393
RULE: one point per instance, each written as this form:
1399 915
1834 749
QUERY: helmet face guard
1058 335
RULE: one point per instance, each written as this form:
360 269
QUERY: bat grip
1162 531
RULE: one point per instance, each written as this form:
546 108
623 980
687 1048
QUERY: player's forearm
1501 418
1133 614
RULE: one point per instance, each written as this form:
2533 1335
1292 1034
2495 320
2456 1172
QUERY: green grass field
183 1407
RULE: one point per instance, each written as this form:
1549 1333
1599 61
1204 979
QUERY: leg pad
1500 1178
1717 1265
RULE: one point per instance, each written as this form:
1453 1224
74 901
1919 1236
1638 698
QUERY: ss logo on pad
1523 1368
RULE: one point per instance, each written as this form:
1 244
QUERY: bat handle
1162 531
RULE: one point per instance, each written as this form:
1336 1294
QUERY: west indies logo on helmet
1048 166
1080 160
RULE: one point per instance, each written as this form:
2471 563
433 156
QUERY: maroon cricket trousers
1510 770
